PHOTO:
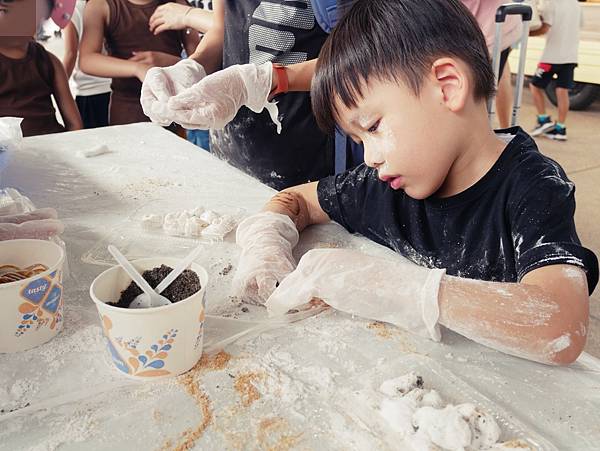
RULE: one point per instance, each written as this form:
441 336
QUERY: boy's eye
373 128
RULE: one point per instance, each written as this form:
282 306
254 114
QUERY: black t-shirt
286 33
517 218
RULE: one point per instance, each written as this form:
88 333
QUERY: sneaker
542 126
559 134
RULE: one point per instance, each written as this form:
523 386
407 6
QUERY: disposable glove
214 101
162 83
40 229
381 289
267 240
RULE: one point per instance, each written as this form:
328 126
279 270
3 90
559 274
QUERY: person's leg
543 75
564 82
538 99
562 97
504 92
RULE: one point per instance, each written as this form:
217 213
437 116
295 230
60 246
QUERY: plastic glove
41 229
162 83
41 213
399 293
215 100
267 240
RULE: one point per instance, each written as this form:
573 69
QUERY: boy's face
406 138
22 17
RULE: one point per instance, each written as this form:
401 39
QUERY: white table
288 388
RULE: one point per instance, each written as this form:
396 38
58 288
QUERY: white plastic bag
11 137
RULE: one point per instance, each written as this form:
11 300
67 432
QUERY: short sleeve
547 12
543 227
343 196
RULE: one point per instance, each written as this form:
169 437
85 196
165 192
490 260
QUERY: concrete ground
580 157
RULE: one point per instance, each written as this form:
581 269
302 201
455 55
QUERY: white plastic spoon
144 301
156 299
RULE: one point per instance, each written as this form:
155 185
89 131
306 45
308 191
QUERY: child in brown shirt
132 49
30 75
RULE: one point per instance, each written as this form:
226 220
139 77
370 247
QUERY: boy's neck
479 149
14 46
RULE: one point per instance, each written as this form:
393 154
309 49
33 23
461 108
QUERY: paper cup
31 309
154 342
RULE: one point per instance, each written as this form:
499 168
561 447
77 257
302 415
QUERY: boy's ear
452 81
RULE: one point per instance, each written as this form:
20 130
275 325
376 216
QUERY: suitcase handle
513 9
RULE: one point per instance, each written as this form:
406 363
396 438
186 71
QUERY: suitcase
510 9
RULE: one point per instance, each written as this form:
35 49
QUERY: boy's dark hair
396 40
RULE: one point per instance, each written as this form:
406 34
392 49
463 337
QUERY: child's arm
543 318
540 31
178 16
91 59
71 39
209 52
64 99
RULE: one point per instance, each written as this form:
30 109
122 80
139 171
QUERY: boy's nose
373 159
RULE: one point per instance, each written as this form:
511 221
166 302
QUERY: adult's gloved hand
162 83
214 101
377 288
38 224
267 240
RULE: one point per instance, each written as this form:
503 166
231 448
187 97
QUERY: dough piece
94 152
398 413
152 222
194 227
457 427
446 427
209 216
220 227
401 385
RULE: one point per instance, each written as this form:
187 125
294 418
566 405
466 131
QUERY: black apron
284 32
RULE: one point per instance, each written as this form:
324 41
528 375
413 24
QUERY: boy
488 218
561 20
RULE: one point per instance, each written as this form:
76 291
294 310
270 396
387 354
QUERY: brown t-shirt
26 86
128 31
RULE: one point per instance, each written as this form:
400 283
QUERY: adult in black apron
286 33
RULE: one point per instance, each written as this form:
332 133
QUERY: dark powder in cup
181 288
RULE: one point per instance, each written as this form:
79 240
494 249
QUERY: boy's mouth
395 181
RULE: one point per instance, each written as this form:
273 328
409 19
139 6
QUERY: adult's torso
282 32
26 86
127 32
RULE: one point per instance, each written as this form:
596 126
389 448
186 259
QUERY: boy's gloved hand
395 292
214 101
162 83
267 240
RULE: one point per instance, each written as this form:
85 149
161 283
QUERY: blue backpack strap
326 13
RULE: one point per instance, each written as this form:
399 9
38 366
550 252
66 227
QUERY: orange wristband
282 80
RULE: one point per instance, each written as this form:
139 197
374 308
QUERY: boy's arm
64 99
301 204
544 318
91 59
71 38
